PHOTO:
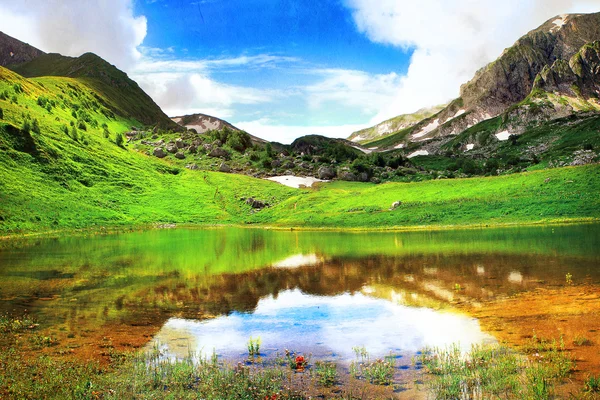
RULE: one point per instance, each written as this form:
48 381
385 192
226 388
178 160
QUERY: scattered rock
275 164
179 143
171 148
257 204
219 153
193 167
159 152
193 149
347 176
224 168
179 155
583 157
547 180
395 205
327 173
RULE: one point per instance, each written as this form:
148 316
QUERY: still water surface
312 292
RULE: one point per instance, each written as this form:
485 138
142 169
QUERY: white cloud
73 27
356 89
267 129
451 39
185 87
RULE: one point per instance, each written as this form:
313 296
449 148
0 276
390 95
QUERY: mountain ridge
520 82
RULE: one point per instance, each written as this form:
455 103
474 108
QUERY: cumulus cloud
355 89
450 39
73 27
181 93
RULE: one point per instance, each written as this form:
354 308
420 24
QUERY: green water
219 282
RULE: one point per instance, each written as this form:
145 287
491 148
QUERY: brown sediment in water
570 312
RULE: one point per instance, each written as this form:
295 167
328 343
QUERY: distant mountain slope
130 100
13 51
203 123
549 73
126 97
393 125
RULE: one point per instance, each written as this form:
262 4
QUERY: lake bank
215 199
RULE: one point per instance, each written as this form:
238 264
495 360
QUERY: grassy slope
570 193
125 95
49 180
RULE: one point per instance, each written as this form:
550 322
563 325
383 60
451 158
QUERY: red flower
300 362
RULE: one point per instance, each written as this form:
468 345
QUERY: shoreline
116 229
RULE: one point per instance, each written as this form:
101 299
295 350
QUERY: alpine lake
321 294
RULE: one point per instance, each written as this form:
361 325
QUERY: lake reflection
327 327
320 292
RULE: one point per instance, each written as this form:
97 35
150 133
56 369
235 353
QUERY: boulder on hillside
193 149
224 168
193 167
326 173
257 204
179 155
159 152
219 153
347 176
363 177
395 205
179 143
171 148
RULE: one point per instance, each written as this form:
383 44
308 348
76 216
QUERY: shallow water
312 292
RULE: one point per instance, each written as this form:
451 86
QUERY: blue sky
310 42
281 69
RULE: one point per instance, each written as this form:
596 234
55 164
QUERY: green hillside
125 96
64 165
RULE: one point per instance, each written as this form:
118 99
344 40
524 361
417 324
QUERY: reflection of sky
327 327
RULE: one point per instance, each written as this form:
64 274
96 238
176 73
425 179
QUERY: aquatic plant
16 324
378 372
326 373
569 278
253 347
592 384
495 371
582 341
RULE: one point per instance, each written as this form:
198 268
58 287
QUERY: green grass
556 194
494 372
60 180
